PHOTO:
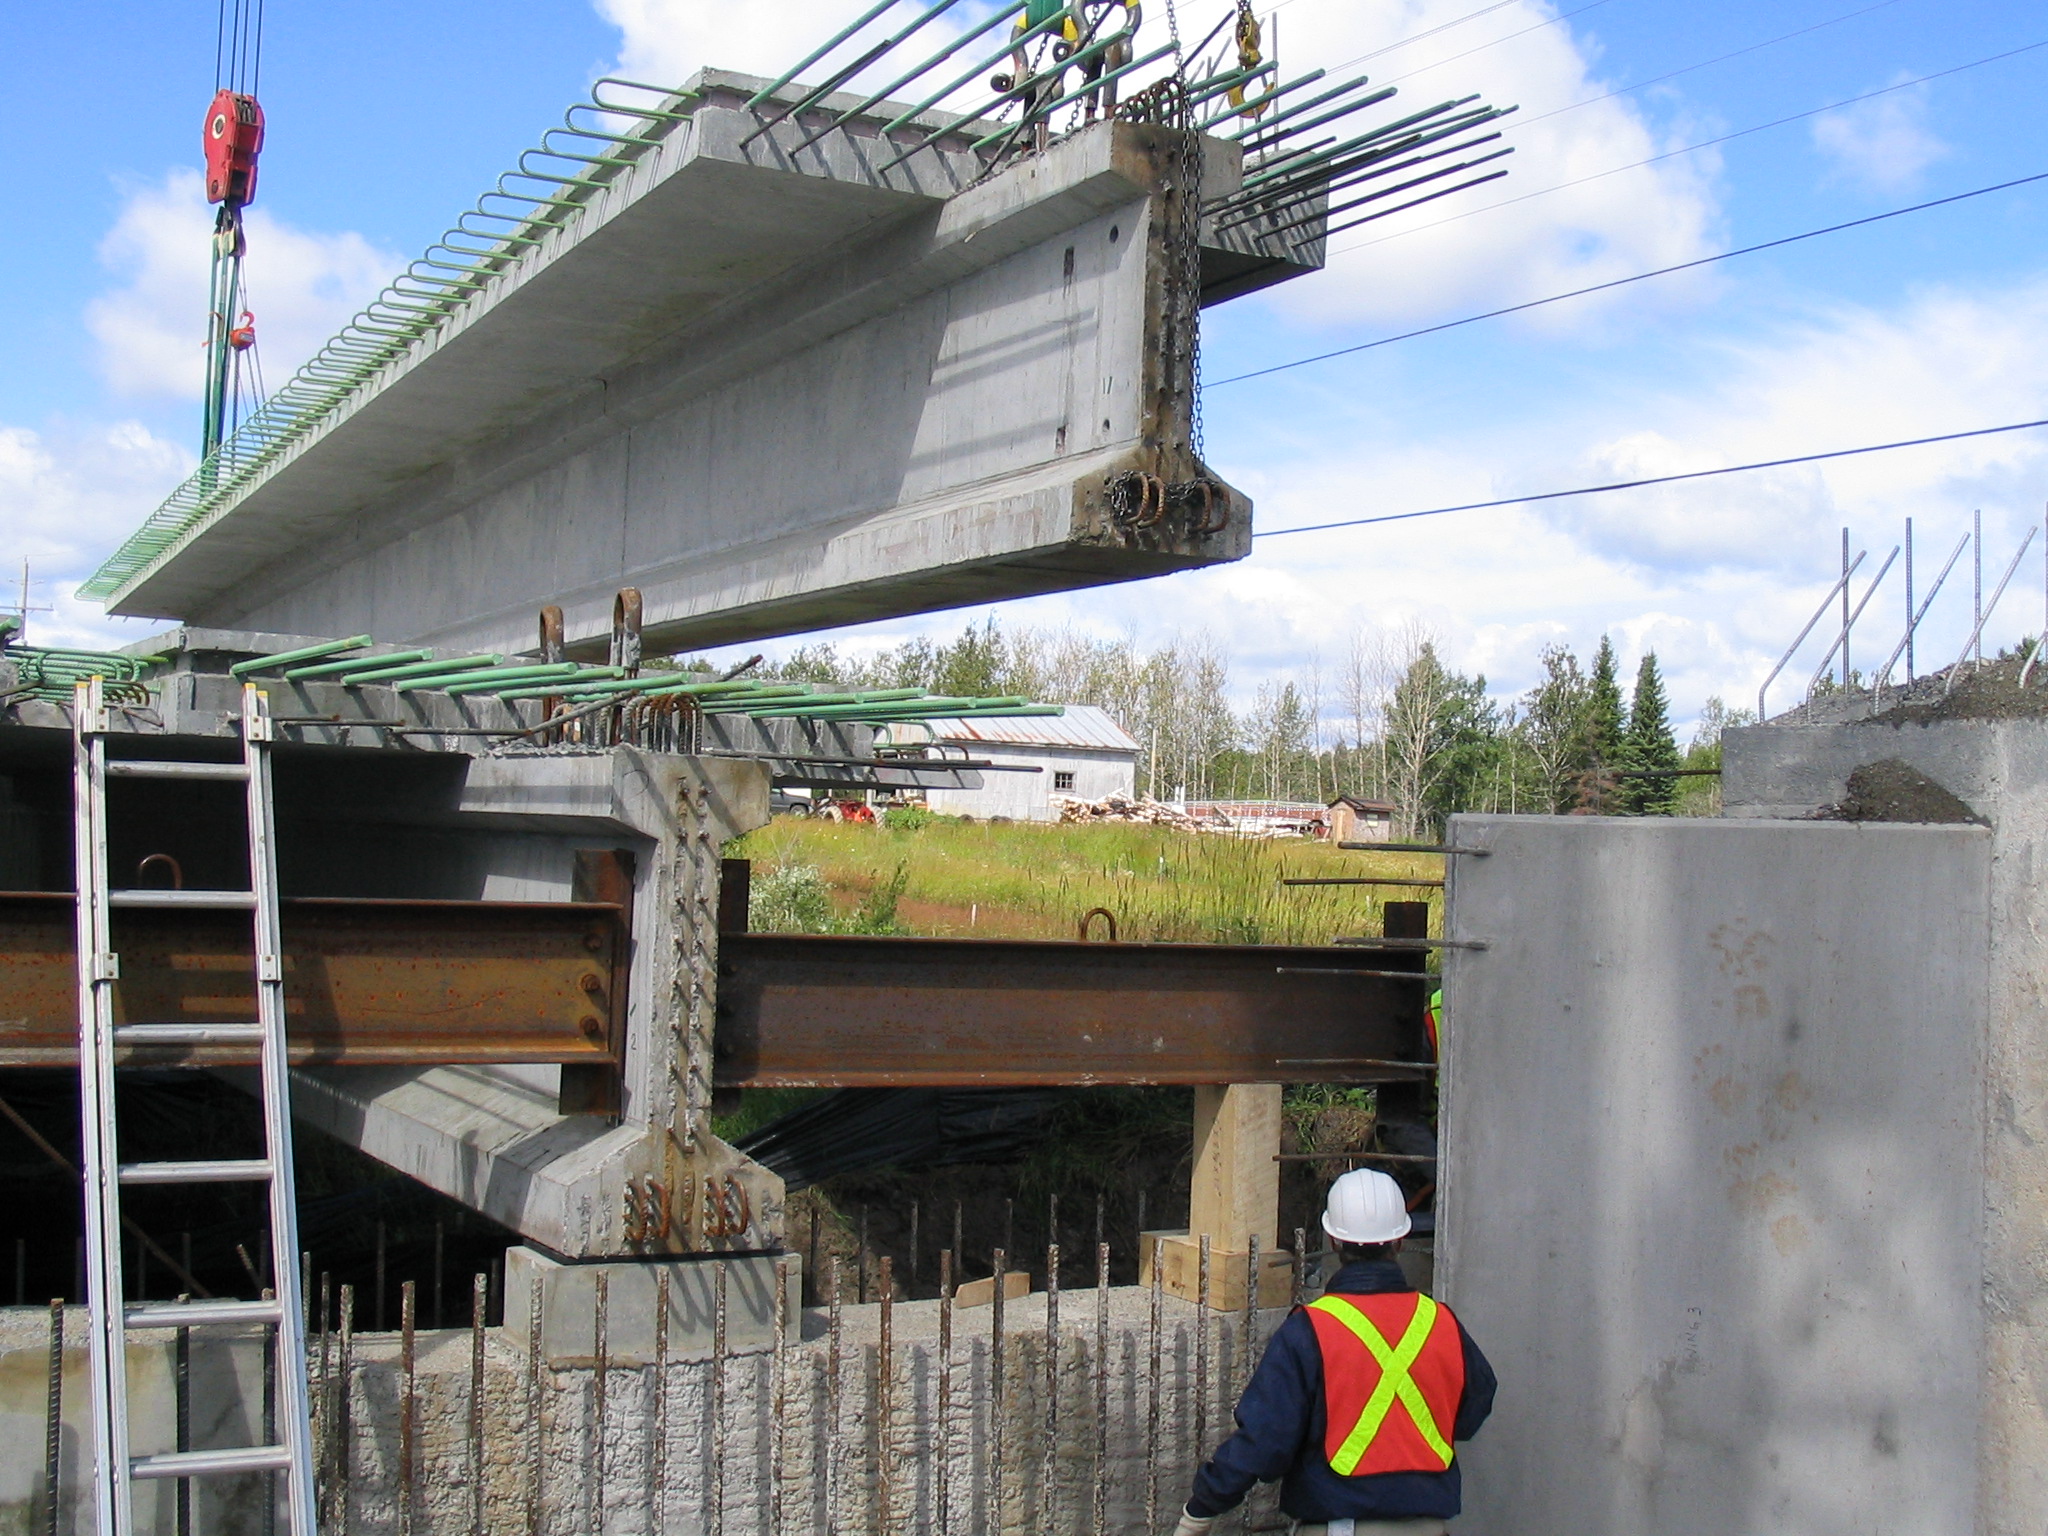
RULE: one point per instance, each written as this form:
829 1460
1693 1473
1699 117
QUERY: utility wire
1622 282
1694 148
1506 37
1769 42
1630 485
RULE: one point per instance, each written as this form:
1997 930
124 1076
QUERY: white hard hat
1366 1206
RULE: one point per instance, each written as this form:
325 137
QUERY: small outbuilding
1353 820
1080 755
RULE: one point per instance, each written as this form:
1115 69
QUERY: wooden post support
1233 1195
1235 1189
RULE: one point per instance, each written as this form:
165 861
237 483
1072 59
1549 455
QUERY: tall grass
1022 880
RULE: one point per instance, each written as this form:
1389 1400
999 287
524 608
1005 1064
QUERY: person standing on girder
1361 1395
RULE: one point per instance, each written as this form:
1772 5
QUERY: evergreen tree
1649 745
971 667
1600 740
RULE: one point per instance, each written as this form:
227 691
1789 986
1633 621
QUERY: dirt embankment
1892 790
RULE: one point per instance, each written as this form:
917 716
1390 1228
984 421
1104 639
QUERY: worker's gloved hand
1193 1525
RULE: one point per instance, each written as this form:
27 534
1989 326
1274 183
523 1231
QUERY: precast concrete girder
775 390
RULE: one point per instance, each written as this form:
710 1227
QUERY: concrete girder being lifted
775 390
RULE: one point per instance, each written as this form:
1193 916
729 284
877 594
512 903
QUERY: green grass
956 879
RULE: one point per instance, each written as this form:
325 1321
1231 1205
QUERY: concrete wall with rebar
1716 1194
864 1420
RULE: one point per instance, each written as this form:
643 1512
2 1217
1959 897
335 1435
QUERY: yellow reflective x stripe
1395 1380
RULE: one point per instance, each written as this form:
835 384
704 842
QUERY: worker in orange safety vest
1361 1396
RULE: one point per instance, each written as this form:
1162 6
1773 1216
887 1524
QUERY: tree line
1389 722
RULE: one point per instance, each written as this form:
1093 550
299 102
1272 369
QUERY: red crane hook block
243 336
233 136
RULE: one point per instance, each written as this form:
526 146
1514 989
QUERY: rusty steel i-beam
367 982
806 1010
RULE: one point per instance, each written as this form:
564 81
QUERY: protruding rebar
1155 1382
53 1425
1048 1471
997 1397
182 1413
1099 1505
408 1405
324 1397
916 1210
942 1472
268 1523
536 1442
778 1386
600 1387
1202 1297
1299 1297
479 1308
344 1408
1247 1332
716 1396
657 1460
834 1338
885 1398
1248 1320
377 1292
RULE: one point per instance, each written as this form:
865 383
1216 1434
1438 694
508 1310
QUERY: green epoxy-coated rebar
660 683
304 653
936 706
355 664
500 678
451 666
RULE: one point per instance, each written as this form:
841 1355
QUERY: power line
1630 485
1769 42
1622 282
1636 165
1506 37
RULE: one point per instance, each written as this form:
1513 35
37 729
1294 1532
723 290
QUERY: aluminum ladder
99 968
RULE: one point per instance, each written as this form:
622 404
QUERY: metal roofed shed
1354 819
1083 755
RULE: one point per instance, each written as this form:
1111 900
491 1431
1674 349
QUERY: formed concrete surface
1999 768
1714 1192
774 393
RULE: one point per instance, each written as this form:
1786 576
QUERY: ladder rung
188 1034
226 1170
246 900
199 1314
242 1458
132 768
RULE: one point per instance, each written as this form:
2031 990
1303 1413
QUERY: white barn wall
1029 796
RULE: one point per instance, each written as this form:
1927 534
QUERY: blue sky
385 121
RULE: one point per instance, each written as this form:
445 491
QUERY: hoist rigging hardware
280 1310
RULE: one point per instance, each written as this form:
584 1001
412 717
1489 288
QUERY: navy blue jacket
1280 1429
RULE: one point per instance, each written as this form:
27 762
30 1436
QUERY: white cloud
71 496
151 326
1884 144
664 42
1396 271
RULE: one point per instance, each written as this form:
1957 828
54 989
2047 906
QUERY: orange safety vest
1393 1376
